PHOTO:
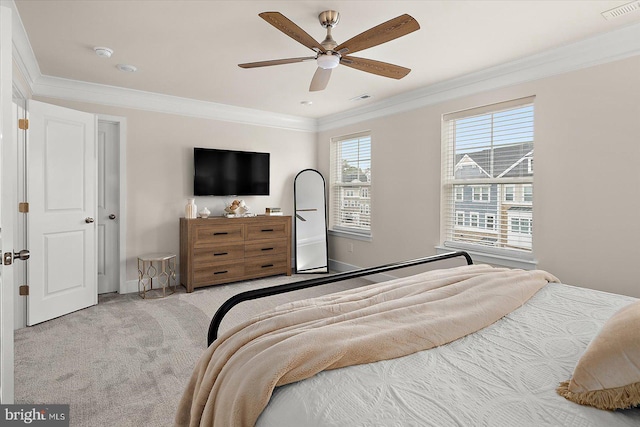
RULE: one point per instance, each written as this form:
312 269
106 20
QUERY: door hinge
24 290
23 124
23 207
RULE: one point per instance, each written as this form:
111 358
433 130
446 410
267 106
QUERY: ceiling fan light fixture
328 62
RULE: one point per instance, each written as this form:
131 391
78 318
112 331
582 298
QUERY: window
474 219
527 193
350 184
459 189
489 221
509 193
480 193
488 153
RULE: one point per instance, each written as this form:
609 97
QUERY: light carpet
126 361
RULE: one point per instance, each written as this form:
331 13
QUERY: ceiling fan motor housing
329 18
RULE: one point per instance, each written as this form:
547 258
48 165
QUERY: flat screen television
230 173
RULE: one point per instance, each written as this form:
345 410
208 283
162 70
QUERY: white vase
204 213
191 210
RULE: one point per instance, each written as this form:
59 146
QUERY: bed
504 374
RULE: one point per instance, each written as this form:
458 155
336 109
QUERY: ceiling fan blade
287 26
275 62
375 67
320 79
390 30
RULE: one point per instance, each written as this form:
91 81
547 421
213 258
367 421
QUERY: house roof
508 161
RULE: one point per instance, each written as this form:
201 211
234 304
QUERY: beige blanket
235 377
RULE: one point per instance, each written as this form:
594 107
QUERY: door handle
112 216
23 255
88 220
8 257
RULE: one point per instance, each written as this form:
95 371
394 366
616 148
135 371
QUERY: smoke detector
103 52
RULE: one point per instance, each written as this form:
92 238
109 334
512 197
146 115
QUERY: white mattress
503 375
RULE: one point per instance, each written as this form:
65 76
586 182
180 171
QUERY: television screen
230 173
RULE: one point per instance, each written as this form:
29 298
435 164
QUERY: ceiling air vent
621 10
361 97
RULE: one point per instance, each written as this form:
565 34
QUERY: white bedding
503 375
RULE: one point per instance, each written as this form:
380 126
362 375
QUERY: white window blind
487 178
350 184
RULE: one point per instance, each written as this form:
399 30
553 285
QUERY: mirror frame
295 218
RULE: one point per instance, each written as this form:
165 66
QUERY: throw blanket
234 379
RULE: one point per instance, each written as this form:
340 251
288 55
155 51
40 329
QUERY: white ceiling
191 48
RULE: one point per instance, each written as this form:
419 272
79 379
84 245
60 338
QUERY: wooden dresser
222 250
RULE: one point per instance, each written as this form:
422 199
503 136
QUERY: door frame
121 122
21 313
9 206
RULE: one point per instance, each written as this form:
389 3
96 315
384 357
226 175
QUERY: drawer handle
218 233
267 229
267 266
267 249
221 272
220 253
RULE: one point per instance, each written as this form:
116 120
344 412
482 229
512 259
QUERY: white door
108 207
61 190
8 208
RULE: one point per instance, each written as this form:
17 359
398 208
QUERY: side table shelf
159 266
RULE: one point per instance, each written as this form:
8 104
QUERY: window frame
502 254
338 205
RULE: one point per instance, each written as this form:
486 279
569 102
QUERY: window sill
348 235
493 259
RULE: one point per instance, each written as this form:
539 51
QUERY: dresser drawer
266 248
219 273
208 235
267 230
218 253
265 266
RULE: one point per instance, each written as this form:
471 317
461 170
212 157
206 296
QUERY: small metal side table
159 266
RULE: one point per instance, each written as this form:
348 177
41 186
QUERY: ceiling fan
329 54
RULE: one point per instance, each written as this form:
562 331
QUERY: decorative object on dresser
204 213
218 250
191 210
273 211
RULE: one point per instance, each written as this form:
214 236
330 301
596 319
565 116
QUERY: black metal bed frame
303 284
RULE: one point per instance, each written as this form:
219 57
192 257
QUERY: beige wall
159 155
587 179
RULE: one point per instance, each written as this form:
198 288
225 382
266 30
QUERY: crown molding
26 67
612 46
74 90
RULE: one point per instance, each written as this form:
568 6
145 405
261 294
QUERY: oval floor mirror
311 223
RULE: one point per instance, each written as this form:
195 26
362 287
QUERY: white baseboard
131 286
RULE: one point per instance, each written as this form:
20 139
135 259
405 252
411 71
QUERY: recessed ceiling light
103 52
127 68
306 102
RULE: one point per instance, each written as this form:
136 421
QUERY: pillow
608 373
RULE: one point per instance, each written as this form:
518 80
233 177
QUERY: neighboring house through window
487 177
350 185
